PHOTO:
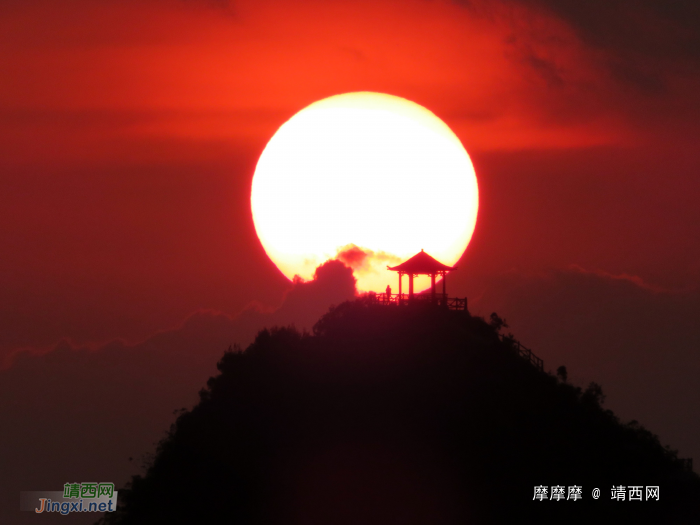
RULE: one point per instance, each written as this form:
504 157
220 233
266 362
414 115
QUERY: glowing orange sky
512 79
130 131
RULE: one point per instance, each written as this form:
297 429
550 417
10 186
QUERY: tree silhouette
398 415
562 373
497 323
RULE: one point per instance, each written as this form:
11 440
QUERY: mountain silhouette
388 414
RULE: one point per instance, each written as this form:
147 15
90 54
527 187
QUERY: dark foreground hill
391 415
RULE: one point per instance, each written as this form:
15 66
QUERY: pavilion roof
421 263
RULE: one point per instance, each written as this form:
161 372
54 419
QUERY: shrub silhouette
398 415
562 373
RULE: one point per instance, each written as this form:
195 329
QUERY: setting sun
367 178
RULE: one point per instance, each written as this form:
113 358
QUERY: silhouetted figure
388 293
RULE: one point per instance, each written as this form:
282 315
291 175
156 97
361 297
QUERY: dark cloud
633 279
547 69
654 28
647 39
333 282
78 414
644 41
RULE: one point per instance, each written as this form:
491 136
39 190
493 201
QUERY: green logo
88 490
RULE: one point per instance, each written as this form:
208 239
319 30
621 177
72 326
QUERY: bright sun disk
364 170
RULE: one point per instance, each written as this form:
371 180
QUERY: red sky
129 132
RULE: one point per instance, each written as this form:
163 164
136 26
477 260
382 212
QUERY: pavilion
422 264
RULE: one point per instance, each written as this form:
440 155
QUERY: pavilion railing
686 464
439 299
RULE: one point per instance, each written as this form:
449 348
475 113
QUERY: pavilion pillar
444 291
432 287
410 286
400 275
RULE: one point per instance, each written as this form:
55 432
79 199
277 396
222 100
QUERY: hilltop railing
523 352
451 303
686 464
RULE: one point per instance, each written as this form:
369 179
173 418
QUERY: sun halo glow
364 170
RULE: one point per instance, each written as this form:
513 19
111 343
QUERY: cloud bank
78 414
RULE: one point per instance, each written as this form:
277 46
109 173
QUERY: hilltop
405 415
